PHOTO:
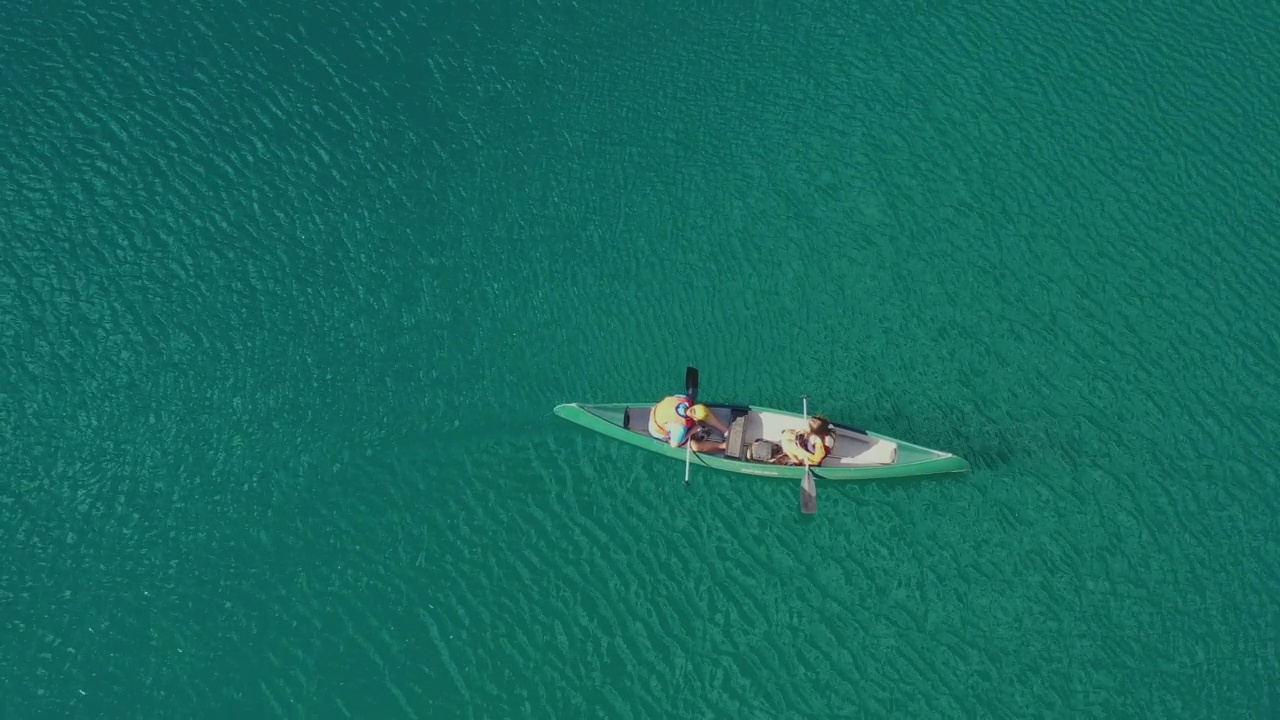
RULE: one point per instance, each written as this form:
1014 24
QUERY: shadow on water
987 456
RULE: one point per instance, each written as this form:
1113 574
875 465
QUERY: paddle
690 389
808 492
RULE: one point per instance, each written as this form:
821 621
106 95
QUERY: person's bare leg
704 446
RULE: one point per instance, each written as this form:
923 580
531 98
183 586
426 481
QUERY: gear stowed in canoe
854 454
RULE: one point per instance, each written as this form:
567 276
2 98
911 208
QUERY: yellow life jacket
671 409
801 445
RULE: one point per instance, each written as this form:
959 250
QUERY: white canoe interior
852 448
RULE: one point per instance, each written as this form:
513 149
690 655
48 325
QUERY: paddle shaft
808 491
690 389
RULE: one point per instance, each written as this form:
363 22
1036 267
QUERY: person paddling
673 417
812 444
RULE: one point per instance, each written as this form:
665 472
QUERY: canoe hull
870 455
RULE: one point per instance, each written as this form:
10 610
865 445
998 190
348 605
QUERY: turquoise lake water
288 292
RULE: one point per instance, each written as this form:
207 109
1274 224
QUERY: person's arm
820 450
715 422
677 432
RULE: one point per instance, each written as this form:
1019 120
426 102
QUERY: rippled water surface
288 291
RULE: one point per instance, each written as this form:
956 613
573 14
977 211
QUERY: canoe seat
636 419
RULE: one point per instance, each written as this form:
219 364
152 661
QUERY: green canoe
857 455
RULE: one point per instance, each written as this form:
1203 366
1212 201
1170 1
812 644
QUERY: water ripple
286 298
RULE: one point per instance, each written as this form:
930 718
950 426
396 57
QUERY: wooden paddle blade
808 495
691 382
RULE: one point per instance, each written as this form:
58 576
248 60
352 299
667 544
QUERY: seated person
811 445
672 419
